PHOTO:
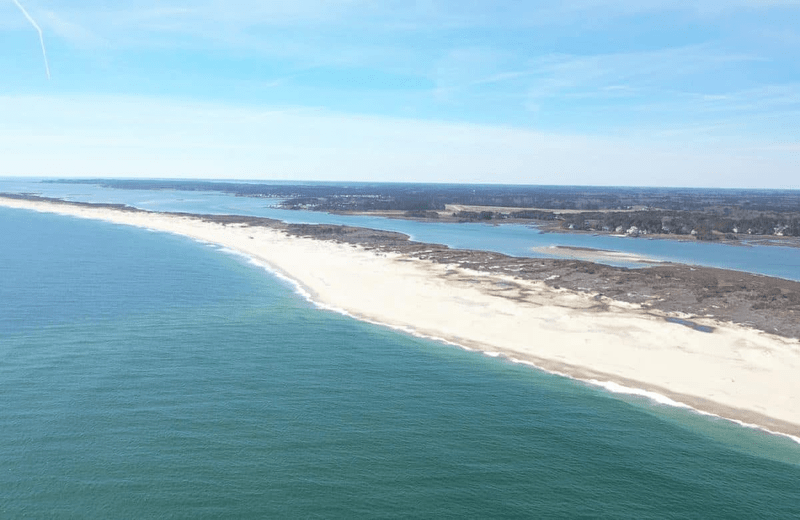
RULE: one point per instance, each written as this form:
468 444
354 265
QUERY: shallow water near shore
144 374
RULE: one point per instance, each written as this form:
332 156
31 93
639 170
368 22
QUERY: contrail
41 37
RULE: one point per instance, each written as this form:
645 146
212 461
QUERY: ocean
146 375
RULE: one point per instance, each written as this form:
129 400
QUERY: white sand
594 255
735 372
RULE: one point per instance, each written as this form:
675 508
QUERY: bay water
146 375
514 240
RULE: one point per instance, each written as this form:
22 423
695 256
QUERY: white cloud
71 31
153 137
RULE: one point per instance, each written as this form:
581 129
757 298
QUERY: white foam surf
616 388
661 399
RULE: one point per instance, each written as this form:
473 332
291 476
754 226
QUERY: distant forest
703 213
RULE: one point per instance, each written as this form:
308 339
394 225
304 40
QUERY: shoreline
734 372
661 396
548 226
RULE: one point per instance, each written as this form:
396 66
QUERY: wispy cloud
71 31
553 80
87 135
627 73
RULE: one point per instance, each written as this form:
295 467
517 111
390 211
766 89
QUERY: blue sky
597 92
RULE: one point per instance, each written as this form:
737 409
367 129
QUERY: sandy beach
735 372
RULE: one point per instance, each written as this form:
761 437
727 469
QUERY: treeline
702 212
703 226
421 196
365 203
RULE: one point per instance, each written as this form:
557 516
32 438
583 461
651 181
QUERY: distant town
702 214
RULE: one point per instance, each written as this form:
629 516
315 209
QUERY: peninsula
722 342
733 216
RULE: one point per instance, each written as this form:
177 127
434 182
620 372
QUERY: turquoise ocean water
146 375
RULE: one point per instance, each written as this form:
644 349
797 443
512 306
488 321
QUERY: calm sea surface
146 375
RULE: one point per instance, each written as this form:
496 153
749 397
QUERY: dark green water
144 375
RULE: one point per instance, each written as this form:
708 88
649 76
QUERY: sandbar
723 368
595 255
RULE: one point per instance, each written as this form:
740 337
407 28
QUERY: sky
699 93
